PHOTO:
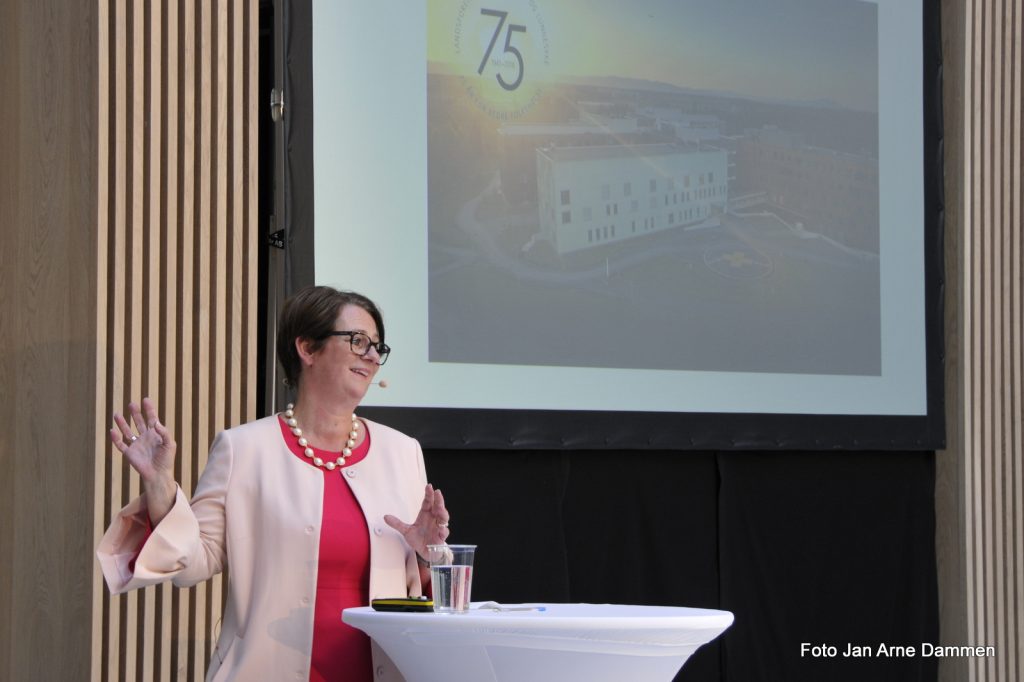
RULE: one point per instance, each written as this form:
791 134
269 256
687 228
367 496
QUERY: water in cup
452 585
451 575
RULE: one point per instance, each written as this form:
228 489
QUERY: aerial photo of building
596 195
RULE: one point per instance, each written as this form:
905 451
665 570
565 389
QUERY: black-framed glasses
361 345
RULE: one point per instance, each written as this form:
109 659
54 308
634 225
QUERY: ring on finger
133 438
443 524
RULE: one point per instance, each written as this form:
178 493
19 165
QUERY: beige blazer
258 509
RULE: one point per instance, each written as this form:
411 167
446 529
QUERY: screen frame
557 429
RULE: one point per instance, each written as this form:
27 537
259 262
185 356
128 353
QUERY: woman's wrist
160 486
160 495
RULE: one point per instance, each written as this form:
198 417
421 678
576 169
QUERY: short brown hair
310 314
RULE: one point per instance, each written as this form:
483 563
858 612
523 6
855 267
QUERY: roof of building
619 151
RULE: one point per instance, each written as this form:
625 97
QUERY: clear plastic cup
451 576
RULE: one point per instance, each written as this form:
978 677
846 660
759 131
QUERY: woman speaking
305 508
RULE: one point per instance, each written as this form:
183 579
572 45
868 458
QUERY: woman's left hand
430 526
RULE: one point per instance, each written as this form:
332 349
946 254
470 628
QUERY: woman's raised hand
430 526
149 448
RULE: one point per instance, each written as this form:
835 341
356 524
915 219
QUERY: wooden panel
100 418
173 283
10 150
249 29
48 340
984 459
171 218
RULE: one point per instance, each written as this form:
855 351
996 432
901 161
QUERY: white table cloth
562 643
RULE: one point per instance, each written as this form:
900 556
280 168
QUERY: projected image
659 184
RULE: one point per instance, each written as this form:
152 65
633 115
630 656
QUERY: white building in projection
589 196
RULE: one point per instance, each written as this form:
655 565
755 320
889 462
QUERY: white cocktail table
562 643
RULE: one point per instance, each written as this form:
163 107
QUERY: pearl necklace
289 419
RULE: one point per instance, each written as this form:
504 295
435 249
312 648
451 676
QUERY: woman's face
336 368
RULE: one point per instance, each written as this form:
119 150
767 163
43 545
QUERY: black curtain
824 548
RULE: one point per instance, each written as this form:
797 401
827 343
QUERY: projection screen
662 223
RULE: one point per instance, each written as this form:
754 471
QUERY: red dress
340 652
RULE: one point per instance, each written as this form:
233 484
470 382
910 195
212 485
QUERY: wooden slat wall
108 106
177 287
980 476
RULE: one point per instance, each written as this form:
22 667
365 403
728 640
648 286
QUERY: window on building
711 176
634 205
613 230
565 197
566 217
671 218
701 178
590 236
686 181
